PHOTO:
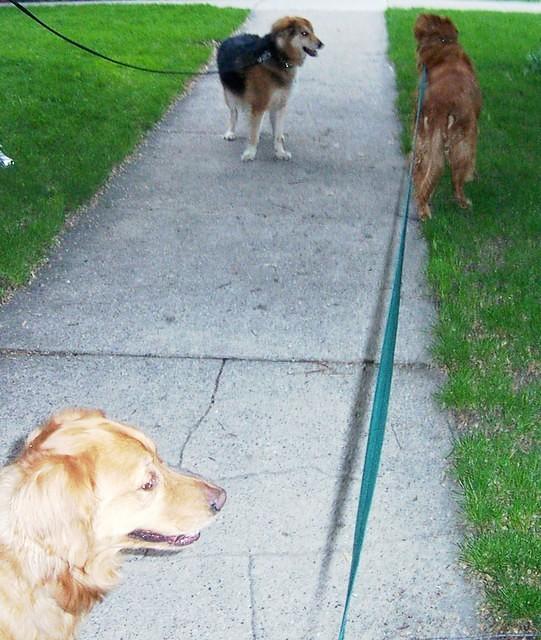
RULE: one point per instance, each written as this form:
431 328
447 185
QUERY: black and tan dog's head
295 38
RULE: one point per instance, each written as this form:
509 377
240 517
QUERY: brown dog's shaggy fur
450 111
83 489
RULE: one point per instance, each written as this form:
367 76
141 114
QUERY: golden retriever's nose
216 498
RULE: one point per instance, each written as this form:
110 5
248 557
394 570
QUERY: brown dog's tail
429 163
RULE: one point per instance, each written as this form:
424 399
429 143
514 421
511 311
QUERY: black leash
103 56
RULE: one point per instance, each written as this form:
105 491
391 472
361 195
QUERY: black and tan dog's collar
267 55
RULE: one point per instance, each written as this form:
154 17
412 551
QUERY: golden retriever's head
295 37
431 29
89 484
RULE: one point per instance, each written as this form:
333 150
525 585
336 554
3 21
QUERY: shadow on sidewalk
358 418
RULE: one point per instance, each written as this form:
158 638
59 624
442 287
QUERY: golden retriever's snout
216 497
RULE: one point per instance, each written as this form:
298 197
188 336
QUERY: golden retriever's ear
39 435
54 508
55 504
72 414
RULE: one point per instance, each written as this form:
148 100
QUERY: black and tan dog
257 74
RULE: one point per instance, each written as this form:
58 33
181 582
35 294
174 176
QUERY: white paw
282 154
230 135
249 154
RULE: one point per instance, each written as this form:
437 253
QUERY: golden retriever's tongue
153 536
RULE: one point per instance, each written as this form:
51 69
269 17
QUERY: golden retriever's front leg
253 140
277 121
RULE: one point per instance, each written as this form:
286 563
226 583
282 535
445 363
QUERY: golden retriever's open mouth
157 538
310 52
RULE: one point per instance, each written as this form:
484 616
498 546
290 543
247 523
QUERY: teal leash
378 418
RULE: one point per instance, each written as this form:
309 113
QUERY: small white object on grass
5 161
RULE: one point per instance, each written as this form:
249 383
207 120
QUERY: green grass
68 118
485 270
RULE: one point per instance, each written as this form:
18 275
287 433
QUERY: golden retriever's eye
304 34
151 483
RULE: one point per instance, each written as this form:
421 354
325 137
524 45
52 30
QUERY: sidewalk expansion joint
254 552
251 580
324 363
205 414
283 472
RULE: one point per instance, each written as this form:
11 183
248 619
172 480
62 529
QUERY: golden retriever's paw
282 154
249 154
230 135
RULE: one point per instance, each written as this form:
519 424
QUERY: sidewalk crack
203 417
396 437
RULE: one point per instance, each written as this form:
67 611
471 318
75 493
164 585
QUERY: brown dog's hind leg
428 167
462 161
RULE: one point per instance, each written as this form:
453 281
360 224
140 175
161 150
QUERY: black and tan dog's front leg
277 118
256 116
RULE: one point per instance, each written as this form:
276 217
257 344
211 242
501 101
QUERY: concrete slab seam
251 582
498 636
282 472
327 363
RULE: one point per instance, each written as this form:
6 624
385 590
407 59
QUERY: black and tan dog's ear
284 25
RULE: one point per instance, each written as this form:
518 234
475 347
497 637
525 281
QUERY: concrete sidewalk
233 311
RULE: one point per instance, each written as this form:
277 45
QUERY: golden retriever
83 489
257 73
450 111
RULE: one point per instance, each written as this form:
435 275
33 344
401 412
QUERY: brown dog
257 74
83 489
450 111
